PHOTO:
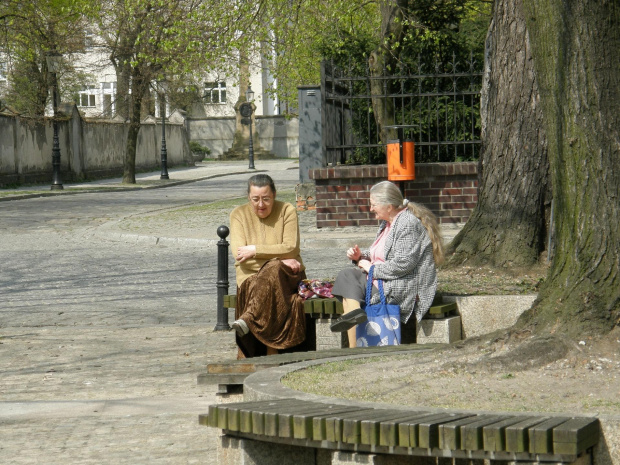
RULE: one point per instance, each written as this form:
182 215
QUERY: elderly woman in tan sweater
269 316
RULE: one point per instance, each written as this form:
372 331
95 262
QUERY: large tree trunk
508 225
576 49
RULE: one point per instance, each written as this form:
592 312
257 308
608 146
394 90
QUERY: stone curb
266 384
146 239
95 190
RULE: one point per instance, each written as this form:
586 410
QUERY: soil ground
491 373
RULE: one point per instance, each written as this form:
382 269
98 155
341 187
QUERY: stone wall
276 134
450 190
88 149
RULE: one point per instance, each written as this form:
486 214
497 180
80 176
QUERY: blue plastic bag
383 325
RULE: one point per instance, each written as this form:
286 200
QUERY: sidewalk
150 180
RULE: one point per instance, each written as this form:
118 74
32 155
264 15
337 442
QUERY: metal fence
440 109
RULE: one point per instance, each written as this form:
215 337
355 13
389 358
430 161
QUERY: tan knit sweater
276 236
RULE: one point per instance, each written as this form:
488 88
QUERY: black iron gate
441 110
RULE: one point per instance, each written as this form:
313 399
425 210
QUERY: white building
220 92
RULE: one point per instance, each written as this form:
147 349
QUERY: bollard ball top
223 232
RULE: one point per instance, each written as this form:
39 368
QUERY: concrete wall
88 149
276 134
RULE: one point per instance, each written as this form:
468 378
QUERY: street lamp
249 98
164 151
53 66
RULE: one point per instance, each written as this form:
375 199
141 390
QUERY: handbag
383 325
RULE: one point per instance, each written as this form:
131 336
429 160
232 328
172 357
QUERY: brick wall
450 190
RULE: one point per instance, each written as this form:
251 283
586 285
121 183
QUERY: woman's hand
354 253
364 265
293 264
245 252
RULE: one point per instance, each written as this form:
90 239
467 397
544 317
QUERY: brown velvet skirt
268 302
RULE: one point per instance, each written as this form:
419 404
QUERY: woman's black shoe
349 320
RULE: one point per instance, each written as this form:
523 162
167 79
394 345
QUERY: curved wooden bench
332 308
518 437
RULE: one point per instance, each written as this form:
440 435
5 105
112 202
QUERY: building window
109 93
215 92
88 97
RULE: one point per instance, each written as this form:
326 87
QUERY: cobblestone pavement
107 310
106 319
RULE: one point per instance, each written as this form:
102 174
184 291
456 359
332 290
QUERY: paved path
107 309
107 316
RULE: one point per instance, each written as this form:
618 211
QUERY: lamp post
164 151
53 65
247 110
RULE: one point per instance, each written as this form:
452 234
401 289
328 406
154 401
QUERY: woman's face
261 199
382 212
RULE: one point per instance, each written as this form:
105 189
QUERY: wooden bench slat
472 433
494 435
517 437
450 432
230 301
286 424
428 430
230 414
371 428
442 308
333 424
576 435
234 368
388 430
303 425
251 423
265 421
408 431
541 435
352 426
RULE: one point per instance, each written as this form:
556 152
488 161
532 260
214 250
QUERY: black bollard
222 279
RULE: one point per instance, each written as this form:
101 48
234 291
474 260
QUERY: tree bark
508 225
137 92
576 49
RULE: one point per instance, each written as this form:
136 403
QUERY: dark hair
261 180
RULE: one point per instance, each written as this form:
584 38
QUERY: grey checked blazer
408 273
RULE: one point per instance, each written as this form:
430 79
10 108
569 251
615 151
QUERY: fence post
222 279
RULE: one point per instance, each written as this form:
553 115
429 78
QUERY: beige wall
88 149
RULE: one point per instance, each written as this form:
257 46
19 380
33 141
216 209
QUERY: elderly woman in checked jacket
405 252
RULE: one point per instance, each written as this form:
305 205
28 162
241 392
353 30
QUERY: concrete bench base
236 451
439 330
325 339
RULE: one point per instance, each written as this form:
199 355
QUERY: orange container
401 160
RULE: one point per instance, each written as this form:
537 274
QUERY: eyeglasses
259 200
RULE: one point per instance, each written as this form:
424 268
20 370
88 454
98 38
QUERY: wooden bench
512 437
441 324
325 308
